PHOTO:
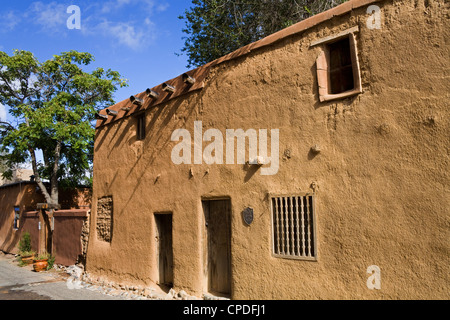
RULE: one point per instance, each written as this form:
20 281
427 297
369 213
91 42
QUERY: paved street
22 283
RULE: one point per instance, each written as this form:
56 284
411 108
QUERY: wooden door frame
158 245
205 243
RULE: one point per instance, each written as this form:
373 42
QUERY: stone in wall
104 218
84 239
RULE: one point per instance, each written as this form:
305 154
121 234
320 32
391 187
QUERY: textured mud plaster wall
24 196
381 179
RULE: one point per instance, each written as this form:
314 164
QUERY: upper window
338 73
340 69
140 129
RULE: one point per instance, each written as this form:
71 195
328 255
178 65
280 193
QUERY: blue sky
137 38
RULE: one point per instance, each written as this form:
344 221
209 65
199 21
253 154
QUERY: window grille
293 227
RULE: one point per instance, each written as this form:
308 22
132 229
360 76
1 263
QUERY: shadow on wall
27 196
11 240
158 137
75 198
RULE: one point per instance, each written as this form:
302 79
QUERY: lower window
293 227
16 217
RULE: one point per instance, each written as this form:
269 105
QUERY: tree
53 104
3 166
218 27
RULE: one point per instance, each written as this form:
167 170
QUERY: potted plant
25 251
41 262
27 257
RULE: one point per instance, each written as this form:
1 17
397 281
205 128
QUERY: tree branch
7 124
12 92
37 177
54 176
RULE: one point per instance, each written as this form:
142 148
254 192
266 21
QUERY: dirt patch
12 293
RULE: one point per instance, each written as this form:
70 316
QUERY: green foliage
25 244
51 261
21 263
54 105
3 166
42 256
218 27
27 253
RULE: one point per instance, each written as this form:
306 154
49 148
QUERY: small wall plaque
247 215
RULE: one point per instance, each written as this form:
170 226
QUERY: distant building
18 213
312 164
18 175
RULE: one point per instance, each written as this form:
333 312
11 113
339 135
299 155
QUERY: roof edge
296 28
201 72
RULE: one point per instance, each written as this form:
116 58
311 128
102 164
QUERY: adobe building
19 174
312 164
19 202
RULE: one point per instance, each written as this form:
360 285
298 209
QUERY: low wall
67 236
25 196
30 224
68 241
22 195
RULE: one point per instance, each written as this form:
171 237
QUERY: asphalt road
22 283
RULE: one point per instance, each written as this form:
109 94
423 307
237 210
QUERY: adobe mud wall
26 196
381 178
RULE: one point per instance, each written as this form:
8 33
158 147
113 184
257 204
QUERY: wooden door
164 248
218 245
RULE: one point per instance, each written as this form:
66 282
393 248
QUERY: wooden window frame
323 62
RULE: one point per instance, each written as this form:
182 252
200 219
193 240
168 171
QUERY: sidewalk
22 283
70 283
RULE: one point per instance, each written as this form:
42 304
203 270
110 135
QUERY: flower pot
27 259
40 265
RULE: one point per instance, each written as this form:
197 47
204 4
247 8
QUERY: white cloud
124 32
127 22
8 21
132 34
149 6
52 17
162 7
